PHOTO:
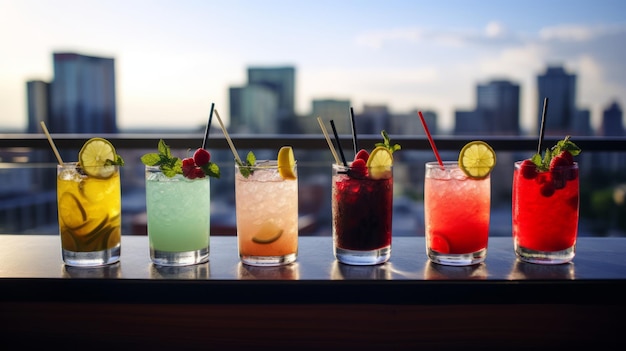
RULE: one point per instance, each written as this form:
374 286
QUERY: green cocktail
178 217
178 206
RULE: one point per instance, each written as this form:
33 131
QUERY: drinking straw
208 125
54 148
330 143
430 139
543 124
354 141
343 158
230 142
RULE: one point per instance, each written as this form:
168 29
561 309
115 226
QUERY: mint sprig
387 143
119 161
543 163
246 168
168 164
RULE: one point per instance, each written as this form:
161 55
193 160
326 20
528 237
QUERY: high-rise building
38 99
498 102
612 121
282 81
82 94
560 89
253 109
327 109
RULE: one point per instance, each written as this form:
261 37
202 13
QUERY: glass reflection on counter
197 271
434 271
287 272
341 271
104 272
524 270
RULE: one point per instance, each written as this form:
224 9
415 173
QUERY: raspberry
358 168
197 172
568 156
362 154
528 169
559 161
201 157
188 165
547 189
558 178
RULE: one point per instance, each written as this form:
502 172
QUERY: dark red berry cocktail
361 208
545 210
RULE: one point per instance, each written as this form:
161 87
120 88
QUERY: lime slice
93 157
268 233
72 213
286 163
379 163
477 159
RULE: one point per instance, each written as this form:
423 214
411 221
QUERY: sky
174 58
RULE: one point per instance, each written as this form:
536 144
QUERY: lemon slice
72 213
477 159
94 155
268 233
379 163
286 163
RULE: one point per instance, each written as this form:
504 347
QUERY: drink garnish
556 151
551 171
246 169
379 163
97 158
477 159
286 163
188 167
268 233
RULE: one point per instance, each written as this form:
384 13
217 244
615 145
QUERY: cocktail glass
178 211
545 214
456 215
362 216
89 216
267 215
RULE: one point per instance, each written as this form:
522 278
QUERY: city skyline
173 61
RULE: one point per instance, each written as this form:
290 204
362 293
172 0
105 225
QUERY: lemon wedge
268 233
379 163
477 159
93 157
286 163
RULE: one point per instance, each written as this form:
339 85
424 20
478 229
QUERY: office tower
373 119
38 100
498 103
82 94
560 89
612 121
581 124
472 122
329 109
253 109
410 124
280 80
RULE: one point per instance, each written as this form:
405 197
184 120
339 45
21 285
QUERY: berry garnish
528 169
171 166
362 154
201 157
547 189
358 168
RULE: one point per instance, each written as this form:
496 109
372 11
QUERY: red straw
430 139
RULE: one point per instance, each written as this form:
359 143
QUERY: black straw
543 124
354 141
343 158
208 125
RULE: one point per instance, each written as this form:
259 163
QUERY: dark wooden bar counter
315 303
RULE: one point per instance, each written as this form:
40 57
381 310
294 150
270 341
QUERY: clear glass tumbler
456 215
179 212
362 216
89 216
266 207
545 214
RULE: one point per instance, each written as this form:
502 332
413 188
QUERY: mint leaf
211 169
151 159
387 143
246 168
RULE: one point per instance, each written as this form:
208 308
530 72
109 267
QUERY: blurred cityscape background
475 68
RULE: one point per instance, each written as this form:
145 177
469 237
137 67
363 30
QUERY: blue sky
173 58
